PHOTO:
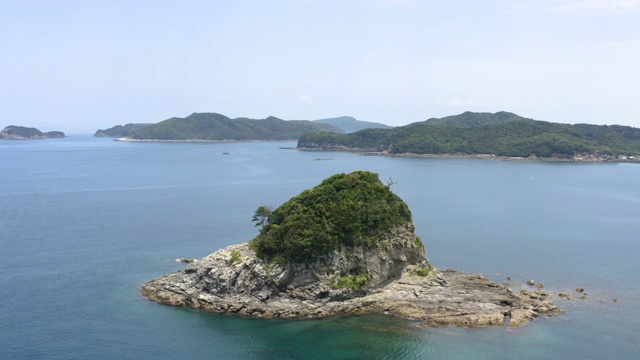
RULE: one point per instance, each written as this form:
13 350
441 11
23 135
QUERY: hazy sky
78 66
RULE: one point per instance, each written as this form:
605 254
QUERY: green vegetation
235 257
472 119
419 243
261 215
344 210
211 126
425 271
120 130
515 136
351 282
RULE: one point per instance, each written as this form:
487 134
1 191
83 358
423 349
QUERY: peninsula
346 246
13 132
501 134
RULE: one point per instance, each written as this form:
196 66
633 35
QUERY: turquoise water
86 221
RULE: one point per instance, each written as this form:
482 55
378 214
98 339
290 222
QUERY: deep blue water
86 221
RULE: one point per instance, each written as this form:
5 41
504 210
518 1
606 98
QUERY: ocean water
86 221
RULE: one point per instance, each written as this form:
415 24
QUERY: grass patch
425 271
235 257
351 282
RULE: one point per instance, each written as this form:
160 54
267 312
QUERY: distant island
501 134
120 130
217 127
212 126
346 246
349 124
13 132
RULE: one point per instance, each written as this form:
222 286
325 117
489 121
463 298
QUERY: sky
79 66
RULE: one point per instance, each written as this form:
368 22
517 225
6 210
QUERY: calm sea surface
86 221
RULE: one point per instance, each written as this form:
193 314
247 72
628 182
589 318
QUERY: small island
346 246
13 132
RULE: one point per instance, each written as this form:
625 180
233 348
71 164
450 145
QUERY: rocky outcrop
346 246
399 281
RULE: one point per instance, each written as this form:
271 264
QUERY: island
501 134
217 127
120 130
13 132
346 246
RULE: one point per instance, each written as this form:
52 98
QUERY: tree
261 215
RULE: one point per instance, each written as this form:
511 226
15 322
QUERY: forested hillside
501 134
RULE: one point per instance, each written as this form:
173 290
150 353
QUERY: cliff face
234 278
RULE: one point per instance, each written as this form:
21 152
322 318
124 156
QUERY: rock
257 289
579 290
186 260
565 296
615 299
386 272
540 285
531 282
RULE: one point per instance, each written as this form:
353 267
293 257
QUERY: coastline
124 139
578 158
234 281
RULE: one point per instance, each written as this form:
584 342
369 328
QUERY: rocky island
346 246
13 132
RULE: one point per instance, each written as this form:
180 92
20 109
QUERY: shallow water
86 221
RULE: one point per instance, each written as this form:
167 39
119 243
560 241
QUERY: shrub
351 282
425 271
235 257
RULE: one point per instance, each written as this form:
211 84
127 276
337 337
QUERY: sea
86 221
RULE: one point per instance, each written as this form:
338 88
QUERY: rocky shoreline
588 158
233 280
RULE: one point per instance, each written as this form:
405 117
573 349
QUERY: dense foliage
120 130
345 209
211 126
516 137
472 119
